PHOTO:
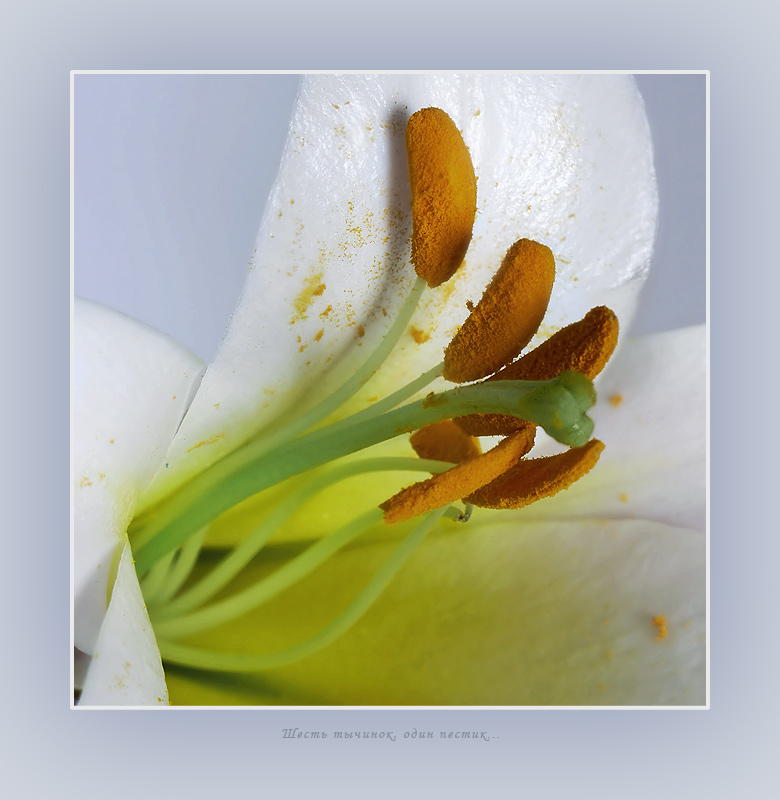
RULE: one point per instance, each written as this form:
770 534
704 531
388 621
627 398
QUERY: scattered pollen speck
110 441
660 624
616 399
361 331
204 442
318 335
418 335
216 405
623 497
85 482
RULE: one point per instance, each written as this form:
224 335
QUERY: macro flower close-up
429 465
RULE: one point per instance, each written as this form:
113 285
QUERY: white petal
563 159
654 429
126 668
131 386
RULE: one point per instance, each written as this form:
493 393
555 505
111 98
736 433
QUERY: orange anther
461 480
444 194
507 316
536 478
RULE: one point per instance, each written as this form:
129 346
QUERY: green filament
557 405
181 569
293 571
221 575
248 662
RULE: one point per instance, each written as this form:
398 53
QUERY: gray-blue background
725 752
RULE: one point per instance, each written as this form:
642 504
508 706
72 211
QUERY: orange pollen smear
536 478
585 346
444 441
444 195
660 624
463 479
506 318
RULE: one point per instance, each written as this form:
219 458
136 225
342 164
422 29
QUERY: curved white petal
651 415
554 613
131 386
563 159
125 668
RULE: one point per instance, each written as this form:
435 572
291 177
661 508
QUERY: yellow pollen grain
461 480
616 399
536 478
312 287
319 334
660 625
623 497
361 331
419 335
444 441
204 442
585 346
507 316
444 194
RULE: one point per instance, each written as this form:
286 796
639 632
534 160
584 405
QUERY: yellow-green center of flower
549 387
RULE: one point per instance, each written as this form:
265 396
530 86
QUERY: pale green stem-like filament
557 405
182 567
248 662
293 571
391 401
347 390
240 556
155 579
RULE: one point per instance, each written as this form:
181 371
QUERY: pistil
558 406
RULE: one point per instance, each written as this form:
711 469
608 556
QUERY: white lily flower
593 596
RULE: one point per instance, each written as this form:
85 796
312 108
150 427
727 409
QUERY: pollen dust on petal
616 399
204 442
312 287
419 335
660 625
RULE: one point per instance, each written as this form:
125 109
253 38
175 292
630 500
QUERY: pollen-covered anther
507 316
456 483
444 194
444 441
536 478
585 346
